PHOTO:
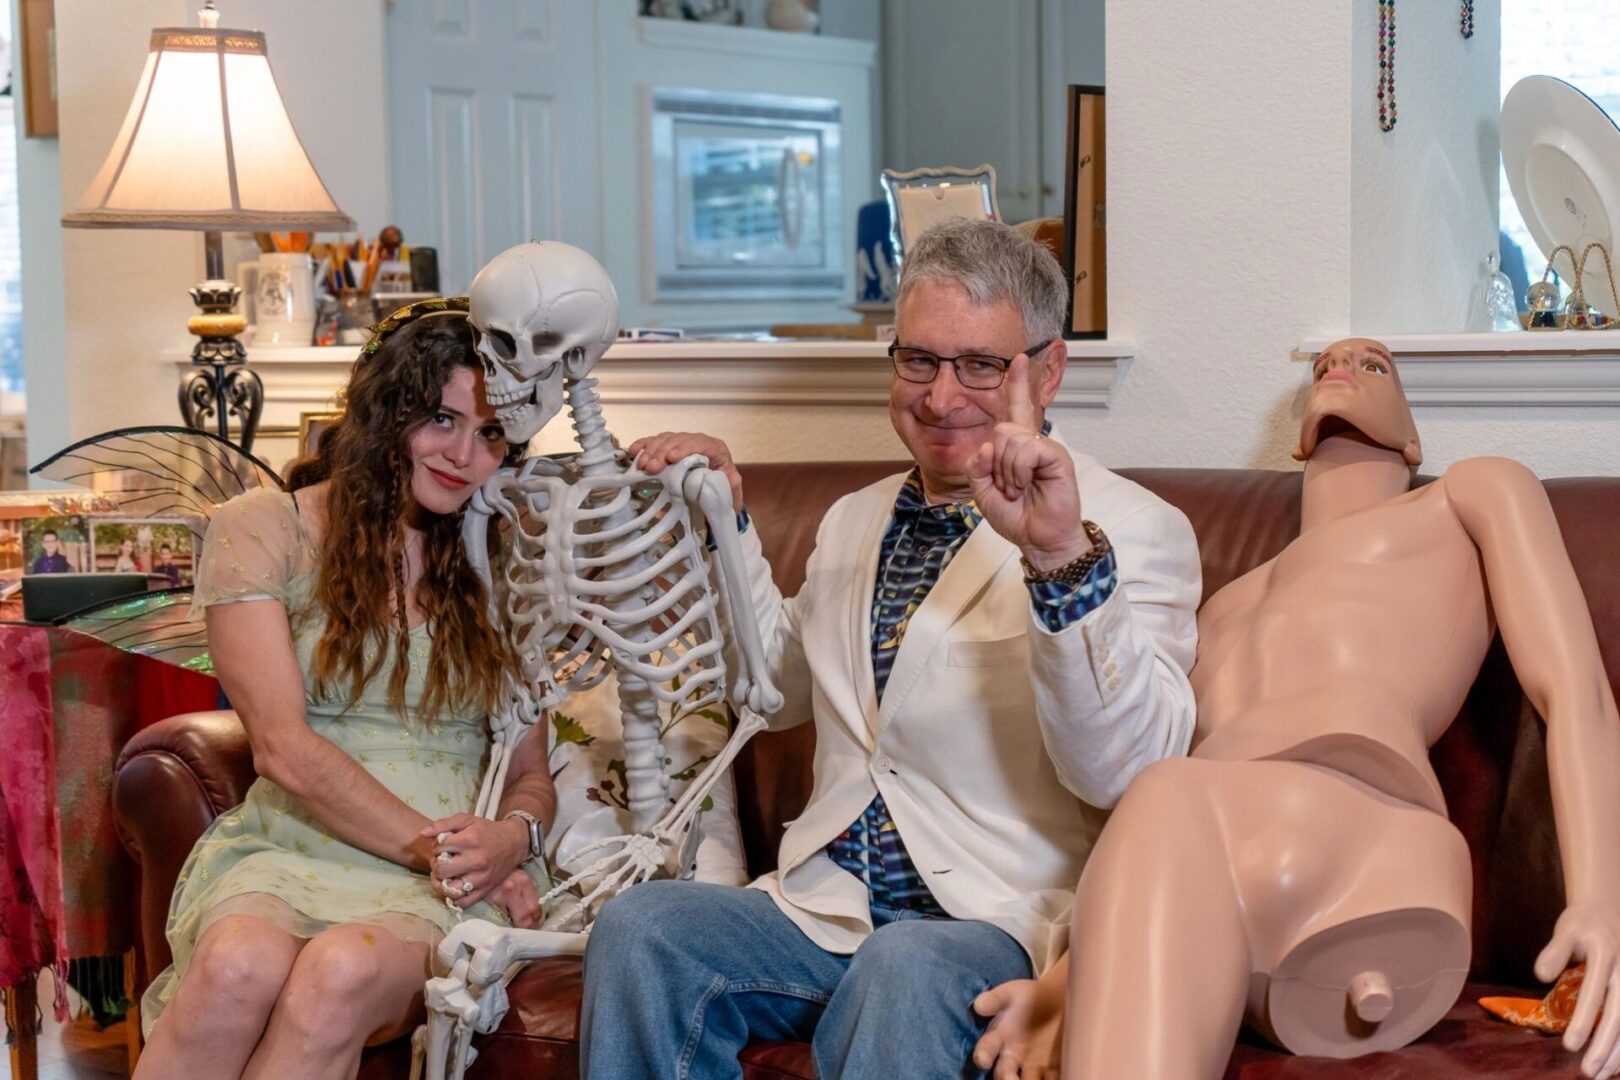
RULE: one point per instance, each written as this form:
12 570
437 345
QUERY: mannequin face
1356 391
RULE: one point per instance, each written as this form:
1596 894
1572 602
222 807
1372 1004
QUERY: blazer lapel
859 617
982 555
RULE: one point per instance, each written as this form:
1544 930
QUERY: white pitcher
284 299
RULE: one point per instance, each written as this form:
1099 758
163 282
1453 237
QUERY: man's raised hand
1024 483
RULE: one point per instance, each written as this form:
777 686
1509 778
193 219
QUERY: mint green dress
271 859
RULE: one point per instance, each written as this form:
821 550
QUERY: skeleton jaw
526 407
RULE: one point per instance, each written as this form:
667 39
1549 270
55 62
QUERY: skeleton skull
544 311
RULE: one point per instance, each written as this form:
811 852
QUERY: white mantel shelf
694 372
1554 367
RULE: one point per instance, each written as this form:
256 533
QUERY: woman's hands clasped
476 859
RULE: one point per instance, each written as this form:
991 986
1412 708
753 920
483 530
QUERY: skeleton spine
596 445
646 784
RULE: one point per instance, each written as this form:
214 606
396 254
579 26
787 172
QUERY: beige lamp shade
208 145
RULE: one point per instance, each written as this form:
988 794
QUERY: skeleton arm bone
710 493
1547 627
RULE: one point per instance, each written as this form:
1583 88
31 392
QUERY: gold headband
421 309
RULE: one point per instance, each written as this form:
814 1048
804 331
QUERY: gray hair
992 262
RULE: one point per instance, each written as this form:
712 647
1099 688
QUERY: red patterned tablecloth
68 703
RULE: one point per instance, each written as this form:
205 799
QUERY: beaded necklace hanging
1467 18
1386 64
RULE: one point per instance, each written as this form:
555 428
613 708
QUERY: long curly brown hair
360 583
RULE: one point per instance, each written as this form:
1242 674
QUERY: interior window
1574 40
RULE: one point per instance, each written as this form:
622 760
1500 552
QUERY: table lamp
207 145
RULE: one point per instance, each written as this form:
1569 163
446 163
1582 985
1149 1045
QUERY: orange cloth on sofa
1550 1015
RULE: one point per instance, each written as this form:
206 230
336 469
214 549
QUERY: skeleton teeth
515 416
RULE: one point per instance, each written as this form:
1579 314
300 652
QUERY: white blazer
998 745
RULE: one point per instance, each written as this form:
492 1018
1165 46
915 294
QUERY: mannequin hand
1024 483
477 851
654 452
1025 1034
517 898
1589 932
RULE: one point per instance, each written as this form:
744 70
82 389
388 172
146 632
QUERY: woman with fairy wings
352 637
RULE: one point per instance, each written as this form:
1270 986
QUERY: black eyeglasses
975 371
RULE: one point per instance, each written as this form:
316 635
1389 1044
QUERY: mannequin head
1356 393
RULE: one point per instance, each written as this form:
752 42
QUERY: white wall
1423 196
40 245
1229 222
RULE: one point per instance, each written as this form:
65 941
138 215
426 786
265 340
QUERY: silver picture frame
921 198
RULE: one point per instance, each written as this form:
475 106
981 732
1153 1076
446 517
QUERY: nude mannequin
1297 871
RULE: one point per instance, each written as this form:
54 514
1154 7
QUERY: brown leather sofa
176 776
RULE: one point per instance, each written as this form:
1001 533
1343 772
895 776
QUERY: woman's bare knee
242 960
232 982
349 981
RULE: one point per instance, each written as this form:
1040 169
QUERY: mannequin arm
1024 1037
1547 628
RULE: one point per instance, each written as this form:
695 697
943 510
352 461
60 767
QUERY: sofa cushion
537 1038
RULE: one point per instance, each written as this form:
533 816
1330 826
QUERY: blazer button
882 763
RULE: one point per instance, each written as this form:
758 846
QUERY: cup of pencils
350 270
284 291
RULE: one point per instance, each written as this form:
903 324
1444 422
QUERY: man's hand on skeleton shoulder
654 452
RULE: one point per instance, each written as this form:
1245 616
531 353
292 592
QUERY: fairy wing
160 472
154 624
157 472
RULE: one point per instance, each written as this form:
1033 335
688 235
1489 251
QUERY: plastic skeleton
609 572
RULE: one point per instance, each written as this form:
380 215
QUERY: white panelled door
961 87
492 127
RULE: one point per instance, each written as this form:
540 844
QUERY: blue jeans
679 976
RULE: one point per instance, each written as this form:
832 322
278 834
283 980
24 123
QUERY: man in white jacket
991 646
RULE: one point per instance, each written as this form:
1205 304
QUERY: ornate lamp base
219 385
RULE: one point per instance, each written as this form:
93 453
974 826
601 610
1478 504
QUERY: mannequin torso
1287 653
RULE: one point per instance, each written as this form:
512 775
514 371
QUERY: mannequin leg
1334 917
1159 963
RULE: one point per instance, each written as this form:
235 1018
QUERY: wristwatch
1073 573
537 833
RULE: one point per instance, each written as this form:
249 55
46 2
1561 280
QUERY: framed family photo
160 547
55 544
311 425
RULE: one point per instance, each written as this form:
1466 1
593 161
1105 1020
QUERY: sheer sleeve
252 550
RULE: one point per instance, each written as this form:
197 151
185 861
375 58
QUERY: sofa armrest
172 779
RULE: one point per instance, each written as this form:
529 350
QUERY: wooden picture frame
36 59
1085 235
310 426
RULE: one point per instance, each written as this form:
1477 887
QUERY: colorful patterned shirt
919 544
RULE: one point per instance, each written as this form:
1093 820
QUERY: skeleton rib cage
617 589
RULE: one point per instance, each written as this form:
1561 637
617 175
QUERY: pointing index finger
1022 403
